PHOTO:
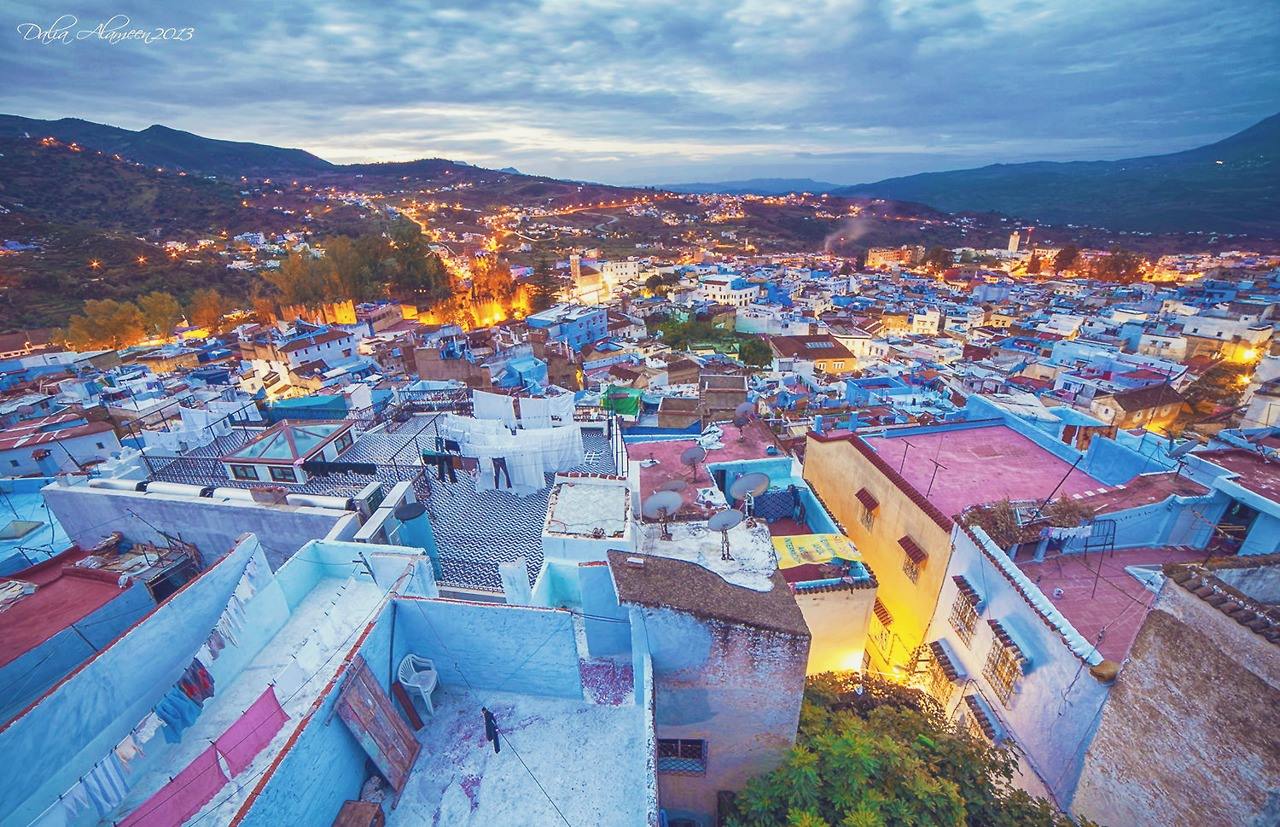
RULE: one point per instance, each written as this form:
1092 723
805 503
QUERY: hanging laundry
561 408
147 728
243 740
182 797
291 679
215 643
105 784
178 712
535 413
128 749
494 406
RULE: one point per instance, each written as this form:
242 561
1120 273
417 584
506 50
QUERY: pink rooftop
756 439
1118 604
978 465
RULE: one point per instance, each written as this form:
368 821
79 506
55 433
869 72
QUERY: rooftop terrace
977 465
1104 602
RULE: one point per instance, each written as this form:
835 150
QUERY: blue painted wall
607 625
100 704
495 646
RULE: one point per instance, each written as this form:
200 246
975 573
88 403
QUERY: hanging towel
182 797
178 712
244 739
105 784
291 679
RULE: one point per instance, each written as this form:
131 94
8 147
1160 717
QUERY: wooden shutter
368 713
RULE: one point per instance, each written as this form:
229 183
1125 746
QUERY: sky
651 91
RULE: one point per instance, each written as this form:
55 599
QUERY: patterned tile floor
474 530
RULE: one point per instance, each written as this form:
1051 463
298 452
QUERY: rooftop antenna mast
722 522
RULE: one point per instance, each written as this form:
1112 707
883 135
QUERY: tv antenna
722 522
660 506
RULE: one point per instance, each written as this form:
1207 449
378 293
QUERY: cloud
662 90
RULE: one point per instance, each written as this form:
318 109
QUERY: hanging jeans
500 467
443 463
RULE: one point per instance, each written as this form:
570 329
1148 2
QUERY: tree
1034 265
1118 265
415 267
160 312
1066 258
544 287
937 259
491 280
755 352
872 752
207 308
106 323
300 279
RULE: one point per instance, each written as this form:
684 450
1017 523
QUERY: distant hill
1229 186
161 146
753 186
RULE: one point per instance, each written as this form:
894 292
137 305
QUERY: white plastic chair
419 674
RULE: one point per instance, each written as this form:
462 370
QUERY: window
867 518
878 629
344 442
938 674
244 472
964 611
914 560
283 474
100 445
14 463
682 756
1004 664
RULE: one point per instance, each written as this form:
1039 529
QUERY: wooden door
382 733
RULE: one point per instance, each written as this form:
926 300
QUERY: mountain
753 186
1232 186
160 146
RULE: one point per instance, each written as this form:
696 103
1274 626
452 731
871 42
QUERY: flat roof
1109 598
64 595
1256 474
685 586
977 465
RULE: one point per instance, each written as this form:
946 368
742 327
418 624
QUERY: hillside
1232 186
752 186
160 146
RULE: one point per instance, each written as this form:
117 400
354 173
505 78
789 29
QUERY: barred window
682 756
867 518
1004 667
937 683
964 617
911 569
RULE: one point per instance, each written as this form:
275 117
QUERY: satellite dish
725 520
749 485
722 522
692 456
407 512
745 409
660 507
740 420
673 485
1183 450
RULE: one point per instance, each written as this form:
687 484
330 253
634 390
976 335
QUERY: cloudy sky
649 91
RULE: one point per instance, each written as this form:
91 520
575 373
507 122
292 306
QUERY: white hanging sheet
494 406
535 413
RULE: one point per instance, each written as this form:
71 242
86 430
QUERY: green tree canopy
545 286
414 268
160 312
207 308
870 753
1066 258
755 352
106 323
